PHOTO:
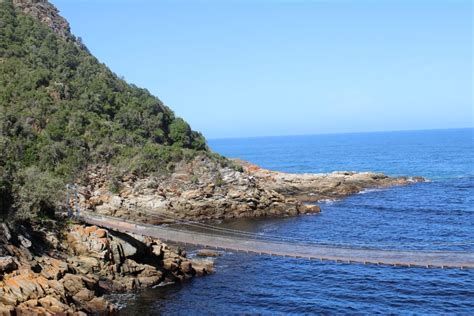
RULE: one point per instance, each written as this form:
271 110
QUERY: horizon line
341 133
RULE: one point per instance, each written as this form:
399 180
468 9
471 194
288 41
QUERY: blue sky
241 68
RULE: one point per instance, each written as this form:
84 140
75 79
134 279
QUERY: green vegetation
61 110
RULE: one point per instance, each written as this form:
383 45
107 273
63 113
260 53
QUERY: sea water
436 215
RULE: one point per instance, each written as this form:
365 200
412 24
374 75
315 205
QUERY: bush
37 193
61 110
180 133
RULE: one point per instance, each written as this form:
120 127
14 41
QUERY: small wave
163 284
413 180
120 299
328 201
268 228
365 191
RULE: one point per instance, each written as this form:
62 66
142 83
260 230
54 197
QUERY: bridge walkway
408 258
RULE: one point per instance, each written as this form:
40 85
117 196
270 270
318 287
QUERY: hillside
66 118
61 111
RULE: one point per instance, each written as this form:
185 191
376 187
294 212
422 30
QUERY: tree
180 133
61 109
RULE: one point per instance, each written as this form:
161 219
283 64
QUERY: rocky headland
67 119
314 187
203 189
65 269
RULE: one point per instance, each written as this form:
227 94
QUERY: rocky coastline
203 189
66 268
52 270
60 267
314 187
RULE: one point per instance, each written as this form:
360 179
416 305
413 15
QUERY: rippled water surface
434 215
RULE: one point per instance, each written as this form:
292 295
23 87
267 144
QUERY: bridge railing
465 245
135 227
297 250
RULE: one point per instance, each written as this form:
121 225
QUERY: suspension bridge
233 240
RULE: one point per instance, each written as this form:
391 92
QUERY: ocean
435 215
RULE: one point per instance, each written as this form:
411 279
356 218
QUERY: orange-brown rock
88 261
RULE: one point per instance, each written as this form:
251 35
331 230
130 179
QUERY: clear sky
237 68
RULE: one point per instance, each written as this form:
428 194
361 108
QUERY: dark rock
7 264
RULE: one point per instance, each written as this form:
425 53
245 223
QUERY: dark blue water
434 154
434 215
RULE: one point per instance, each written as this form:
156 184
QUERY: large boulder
207 253
202 266
72 283
122 249
53 305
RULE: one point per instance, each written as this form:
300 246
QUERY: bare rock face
203 266
204 189
199 189
88 262
317 187
48 14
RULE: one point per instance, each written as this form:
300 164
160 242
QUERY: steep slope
61 111
66 118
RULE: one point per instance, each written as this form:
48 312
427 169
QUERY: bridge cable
280 238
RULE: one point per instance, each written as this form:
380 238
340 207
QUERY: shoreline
203 189
68 269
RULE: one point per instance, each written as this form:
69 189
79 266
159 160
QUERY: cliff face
47 14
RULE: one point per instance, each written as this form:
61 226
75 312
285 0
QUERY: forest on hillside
61 110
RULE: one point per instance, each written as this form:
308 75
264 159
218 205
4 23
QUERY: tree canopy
62 110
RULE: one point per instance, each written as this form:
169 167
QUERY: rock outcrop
47 269
53 270
313 187
70 274
48 14
204 189
199 189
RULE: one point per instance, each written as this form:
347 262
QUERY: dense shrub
61 110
